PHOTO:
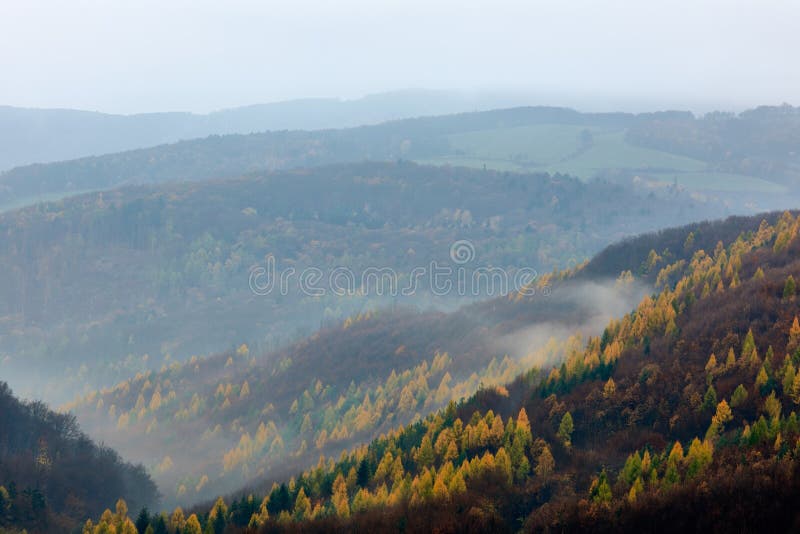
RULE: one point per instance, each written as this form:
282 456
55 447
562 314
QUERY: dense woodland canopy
52 475
553 409
681 414
273 412
135 278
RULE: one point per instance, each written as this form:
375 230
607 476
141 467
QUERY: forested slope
265 414
52 476
130 279
681 415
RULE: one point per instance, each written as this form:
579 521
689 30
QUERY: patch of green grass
611 151
555 148
539 144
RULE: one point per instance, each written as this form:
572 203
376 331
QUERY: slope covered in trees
52 475
135 278
681 415
761 141
266 414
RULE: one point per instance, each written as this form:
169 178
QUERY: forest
52 475
681 414
631 426
136 278
644 416
414 267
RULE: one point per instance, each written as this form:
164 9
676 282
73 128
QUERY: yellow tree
302 506
545 463
341 503
192 526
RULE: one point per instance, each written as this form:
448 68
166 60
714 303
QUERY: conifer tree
789 288
739 396
565 429
600 492
302 506
341 502
545 463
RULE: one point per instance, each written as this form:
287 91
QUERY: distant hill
52 475
45 135
619 147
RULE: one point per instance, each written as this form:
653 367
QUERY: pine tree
632 468
192 526
565 429
503 463
600 492
142 520
731 359
739 396
457 484
545 463
709 399
789 288
302 506
339 499
789 374
794 337
772 407
636 489
609 389
425 454
711 365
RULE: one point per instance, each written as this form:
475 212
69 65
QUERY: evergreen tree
302 506
142 520
545 464
709 399
340 500
565 429
600 492
789 288
739 396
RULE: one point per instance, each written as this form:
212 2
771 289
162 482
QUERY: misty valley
418 310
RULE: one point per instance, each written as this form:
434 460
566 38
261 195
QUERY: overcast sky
153 55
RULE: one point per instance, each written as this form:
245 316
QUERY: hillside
47 135
267 414
133 279
232 155
680 415
52 476
616 146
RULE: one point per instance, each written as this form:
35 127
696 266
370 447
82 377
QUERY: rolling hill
681 415
133 279
52 476
615 146
46 135
263 415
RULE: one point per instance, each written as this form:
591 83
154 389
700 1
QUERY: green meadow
562 148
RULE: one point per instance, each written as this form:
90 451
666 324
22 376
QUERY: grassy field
557 148
611 151
536 145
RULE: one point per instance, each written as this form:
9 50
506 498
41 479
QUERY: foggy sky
197 55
